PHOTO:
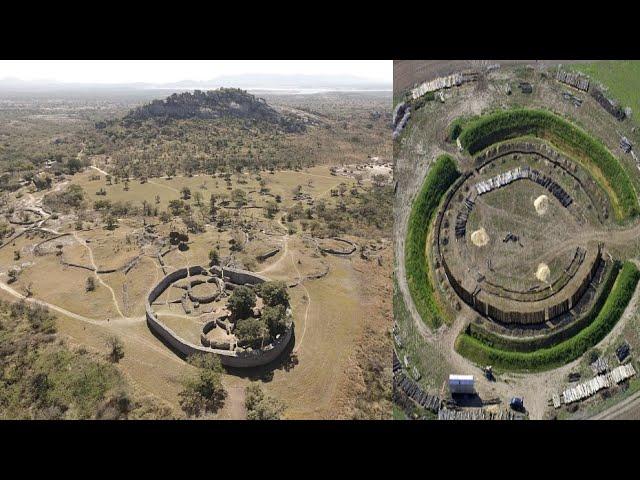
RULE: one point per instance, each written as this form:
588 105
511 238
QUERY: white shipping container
461 384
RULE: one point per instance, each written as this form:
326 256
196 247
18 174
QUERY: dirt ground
333 314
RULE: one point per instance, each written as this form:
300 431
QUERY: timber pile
397 127
412 390
569 97
454 80
463 215
397 367
519 173
600 366
574 80
593 386
608 104
476 414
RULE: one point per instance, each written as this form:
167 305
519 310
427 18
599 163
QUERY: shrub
441 176
592 153
564 352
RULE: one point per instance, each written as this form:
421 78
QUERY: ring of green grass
441 176
486 130
566 351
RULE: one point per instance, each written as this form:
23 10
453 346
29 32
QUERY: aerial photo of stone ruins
216 253
516 240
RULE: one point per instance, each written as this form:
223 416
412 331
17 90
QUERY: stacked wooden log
415 392
593 386
574 80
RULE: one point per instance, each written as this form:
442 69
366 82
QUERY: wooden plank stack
574 80
476 414
593 386
412 390
454 80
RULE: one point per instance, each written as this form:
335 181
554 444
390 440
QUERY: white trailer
461 384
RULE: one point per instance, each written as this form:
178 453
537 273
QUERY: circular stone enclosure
238 358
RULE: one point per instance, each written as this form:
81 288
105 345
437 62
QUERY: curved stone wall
347 251
228 358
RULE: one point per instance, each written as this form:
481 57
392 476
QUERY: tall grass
441 176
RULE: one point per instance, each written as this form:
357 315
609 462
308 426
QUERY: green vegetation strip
441 176
495 127
566 351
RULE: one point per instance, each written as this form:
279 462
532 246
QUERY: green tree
74 166
272 209
213 209
214 257
111 221
260 406
177 207
252 332
197 197
274 293
275 318
203 391
239 197
241 302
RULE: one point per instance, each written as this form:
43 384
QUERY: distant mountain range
266 82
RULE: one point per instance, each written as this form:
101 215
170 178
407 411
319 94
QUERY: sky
166 71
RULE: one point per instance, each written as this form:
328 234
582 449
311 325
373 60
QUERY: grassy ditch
563 352
601 163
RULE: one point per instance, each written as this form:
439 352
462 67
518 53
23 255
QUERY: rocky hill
215 104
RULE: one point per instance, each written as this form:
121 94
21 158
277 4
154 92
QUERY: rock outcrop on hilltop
214 104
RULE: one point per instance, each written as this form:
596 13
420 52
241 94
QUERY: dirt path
308 301
285 250
100 170
164 186
95 267
117 325
628 409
